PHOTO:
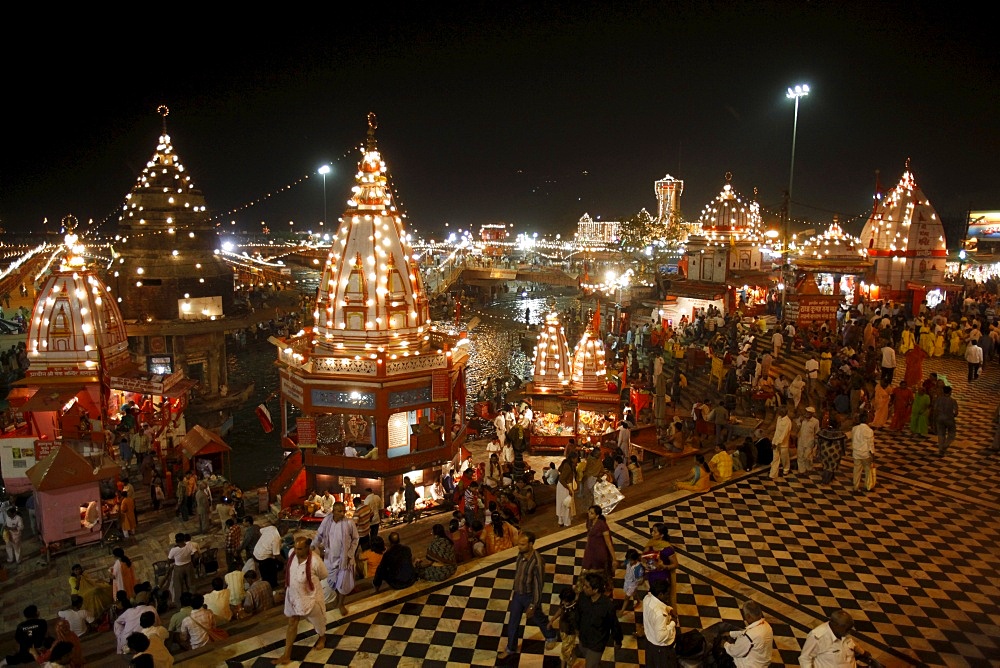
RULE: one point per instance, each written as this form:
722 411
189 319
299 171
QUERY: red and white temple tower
371 371
905 239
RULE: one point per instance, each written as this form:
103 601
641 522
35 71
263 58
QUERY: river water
495 350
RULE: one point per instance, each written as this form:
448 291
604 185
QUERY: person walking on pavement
945 411
529 581
597 620
337 540
659 625
808 428
752 646
863 451
888 363
202 502
304 573
182 500
13 530
974 357
830 644
780 441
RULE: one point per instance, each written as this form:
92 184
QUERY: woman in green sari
920 415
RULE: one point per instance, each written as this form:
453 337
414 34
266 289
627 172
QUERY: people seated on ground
499 534
142 645
128 620
372 556
459 534
195 629
80 620
326 502
30 634
476 541
217 601
397 505
700 479
97 596
151 626
675 435
396 568
764 449
551 474
721 464
437 492
259 596
440 561
748 454
524 494
177 642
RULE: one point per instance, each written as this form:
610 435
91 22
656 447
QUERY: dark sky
528 113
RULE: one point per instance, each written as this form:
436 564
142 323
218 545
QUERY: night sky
526 113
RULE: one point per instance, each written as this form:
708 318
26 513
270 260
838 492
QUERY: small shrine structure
828 269
727 262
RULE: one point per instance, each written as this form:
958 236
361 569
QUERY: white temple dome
76 328
371 293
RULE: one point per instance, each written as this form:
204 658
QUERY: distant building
598 231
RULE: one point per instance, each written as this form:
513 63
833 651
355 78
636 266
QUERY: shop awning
180 388
63 467
19 395
708 291
51 399
201 441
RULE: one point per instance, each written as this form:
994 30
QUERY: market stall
583 417
205 453
68 499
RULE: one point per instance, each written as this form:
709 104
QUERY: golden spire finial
163 111
372 126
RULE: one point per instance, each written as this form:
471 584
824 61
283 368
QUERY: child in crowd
634 573
635 468
564 618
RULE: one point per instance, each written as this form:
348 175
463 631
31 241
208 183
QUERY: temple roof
904 224
730 215
75 326
371 294
552 364
834 246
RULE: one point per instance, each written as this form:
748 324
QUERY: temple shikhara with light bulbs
571 395
371 391
905 239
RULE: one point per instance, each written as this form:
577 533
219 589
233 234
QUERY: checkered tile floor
915 561
463 623
915 568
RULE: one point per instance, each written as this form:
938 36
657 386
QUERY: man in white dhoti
304 573
337 542
500 422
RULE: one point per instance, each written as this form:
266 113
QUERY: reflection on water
494 352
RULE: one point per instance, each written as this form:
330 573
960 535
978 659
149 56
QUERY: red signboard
806 309
42 449
439 385
306 429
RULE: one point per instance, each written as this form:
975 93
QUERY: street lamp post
324 170
799 91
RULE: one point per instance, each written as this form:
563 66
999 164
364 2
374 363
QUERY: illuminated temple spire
371 294
589 370
552 364
75 326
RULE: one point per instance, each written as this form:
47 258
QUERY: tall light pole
799 91
324 170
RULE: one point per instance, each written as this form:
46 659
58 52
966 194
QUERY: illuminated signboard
984 225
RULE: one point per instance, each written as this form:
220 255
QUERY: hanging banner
306 429
439 385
